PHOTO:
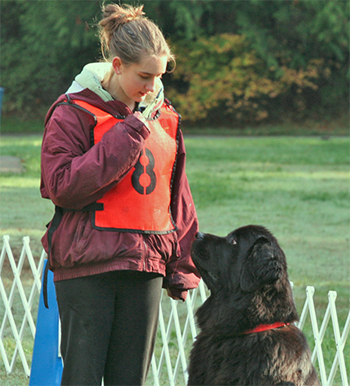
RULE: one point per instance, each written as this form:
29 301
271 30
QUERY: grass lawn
297 187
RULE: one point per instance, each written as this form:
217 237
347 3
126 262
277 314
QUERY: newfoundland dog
247 333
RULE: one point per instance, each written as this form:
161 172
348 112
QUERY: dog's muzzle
199 236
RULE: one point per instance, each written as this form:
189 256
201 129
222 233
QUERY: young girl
125 218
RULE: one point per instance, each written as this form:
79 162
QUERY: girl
125 217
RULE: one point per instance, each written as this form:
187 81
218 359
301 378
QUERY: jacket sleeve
182 274
74 174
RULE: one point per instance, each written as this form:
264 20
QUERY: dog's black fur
246 272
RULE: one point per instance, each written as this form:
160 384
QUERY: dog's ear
263 265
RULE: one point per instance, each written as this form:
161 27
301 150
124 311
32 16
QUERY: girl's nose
151 86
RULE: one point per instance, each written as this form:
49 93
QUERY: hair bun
126 33
117 15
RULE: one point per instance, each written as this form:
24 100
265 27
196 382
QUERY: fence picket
339 358
169 322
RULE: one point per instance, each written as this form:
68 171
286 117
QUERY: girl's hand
139 116
153 101
172 296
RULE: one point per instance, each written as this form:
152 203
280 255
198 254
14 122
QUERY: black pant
109 324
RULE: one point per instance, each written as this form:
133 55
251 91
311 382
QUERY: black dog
247 333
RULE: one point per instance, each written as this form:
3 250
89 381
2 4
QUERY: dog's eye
234 241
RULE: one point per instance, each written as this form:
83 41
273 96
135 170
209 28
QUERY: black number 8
144 179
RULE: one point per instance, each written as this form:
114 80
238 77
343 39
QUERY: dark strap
55 222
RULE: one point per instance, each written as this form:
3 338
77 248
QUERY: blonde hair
125 32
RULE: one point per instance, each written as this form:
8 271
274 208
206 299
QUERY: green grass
23 212
17 125
326 127
298 187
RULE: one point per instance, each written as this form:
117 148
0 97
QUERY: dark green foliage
50 43
44 44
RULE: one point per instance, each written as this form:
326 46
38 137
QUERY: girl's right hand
139 116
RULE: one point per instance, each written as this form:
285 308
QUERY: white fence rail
20 288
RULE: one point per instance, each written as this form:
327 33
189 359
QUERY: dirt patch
9 164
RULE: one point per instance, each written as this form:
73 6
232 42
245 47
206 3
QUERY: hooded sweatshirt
76 173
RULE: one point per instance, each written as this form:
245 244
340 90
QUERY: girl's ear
117 64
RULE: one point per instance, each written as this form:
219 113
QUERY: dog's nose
199 236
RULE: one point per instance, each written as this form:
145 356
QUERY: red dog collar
266 327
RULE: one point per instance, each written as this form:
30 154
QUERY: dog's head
246 259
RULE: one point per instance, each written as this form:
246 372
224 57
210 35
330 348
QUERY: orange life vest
140 202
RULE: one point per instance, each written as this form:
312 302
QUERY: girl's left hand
170 295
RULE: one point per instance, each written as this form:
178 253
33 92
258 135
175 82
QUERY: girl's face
137 80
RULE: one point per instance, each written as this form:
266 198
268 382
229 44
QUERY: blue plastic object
46 364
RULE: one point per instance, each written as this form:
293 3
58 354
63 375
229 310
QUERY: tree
299 49
48 46
223 78
294 33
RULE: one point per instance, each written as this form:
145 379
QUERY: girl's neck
111 84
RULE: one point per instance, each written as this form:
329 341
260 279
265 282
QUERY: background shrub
238 61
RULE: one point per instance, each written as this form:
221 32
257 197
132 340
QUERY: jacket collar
91 77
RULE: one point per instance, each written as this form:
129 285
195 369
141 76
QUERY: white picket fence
177 328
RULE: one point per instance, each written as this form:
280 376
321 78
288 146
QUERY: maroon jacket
75 174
